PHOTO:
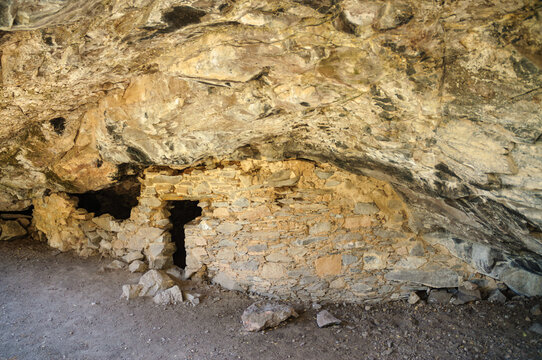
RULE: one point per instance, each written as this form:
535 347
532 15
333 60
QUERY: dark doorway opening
182 212
117 200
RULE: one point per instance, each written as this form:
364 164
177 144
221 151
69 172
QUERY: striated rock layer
440 99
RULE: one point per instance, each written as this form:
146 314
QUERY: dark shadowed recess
322 6
58 124
16 214
181 16
117 200
182 212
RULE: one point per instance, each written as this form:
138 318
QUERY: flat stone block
273 271
226 281
437 279
328 265
358 222
168 179
228 228
365 208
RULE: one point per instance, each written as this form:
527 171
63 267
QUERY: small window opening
182 212
117 200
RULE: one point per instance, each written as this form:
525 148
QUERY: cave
117 200
316 152
182 212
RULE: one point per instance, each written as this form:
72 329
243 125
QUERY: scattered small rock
413 298
468 285
134 255
137 266
130 291
175 272
188 273
535 310
465 295
153 281
497 296
324 318
199 274
261 315
171 296
536 328
193 298
116 265
439 297
316 306
387 352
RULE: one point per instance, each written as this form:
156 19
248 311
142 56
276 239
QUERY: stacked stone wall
67 227
288 229
295 229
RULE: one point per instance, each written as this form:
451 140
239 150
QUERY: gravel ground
58 306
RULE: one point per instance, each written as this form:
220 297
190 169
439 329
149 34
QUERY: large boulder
262 315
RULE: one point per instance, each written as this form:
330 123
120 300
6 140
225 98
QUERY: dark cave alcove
117 200
182 212
17 214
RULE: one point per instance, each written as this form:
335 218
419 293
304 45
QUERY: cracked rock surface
441 99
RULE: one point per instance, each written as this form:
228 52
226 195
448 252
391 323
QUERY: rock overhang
442 101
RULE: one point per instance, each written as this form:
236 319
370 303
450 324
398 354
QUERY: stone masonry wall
67 227
290 229
294 229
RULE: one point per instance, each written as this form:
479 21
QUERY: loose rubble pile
468 292
162 287
66 227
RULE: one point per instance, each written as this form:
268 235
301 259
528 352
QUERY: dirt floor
58 306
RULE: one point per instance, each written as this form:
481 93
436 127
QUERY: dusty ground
56 306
